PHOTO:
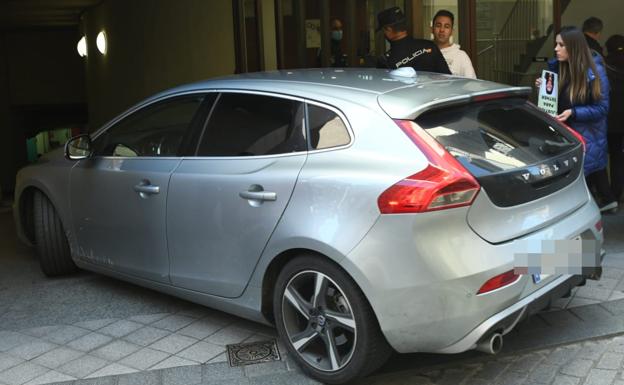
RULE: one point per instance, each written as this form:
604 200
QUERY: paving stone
221 318
591 313
10 339
509 378
264 369
40 331
300 379
613 273
173 362
562 355
603 283
201 352
220 358
142 378
196 312
8 361
592 350
235 381
51 376
616 345
111 380
526 363
229 335
144 358
594 293
616 295
580 302
32 349
22 373
173 343
577 367
221 371
66 334
490 370
600 377
120 328
57 357
610 361
565 380
96 324
200 329
146 335
148 318
112 370
560 319
89 342
543 374
186 375
614 307
116 350
448 377
83 366
173 322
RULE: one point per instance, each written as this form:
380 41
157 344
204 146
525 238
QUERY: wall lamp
82 47
101 42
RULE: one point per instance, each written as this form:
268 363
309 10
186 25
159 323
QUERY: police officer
405 51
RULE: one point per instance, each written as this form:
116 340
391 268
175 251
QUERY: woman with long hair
584 105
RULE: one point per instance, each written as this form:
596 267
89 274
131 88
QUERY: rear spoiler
491 94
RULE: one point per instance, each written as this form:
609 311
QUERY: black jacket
594 45
615 70
422 55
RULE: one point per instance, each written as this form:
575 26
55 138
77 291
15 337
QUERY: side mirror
79 147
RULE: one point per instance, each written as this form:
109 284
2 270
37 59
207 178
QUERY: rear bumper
504 321
421 273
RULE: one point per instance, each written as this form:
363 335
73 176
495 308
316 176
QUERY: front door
224 204
119 196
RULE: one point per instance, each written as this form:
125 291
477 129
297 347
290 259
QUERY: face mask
336 35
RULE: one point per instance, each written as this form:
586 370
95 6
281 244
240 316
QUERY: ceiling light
82 47
101 43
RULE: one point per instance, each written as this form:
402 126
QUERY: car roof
401 97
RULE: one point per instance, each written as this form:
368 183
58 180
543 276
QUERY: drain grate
253 353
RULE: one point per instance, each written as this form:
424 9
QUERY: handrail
489 47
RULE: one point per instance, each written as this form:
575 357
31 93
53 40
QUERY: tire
339 321
50 239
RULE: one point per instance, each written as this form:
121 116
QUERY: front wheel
326 322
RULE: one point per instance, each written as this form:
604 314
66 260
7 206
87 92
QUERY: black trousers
616 163
599 182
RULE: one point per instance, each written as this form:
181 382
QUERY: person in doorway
592 28
615 130
337 58
584 105
405 51
458 61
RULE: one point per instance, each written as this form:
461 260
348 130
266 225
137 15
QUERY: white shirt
458 61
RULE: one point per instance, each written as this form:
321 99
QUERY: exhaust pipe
491 345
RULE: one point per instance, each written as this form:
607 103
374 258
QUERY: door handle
147 189
258 195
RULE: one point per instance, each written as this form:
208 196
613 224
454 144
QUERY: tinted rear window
497 136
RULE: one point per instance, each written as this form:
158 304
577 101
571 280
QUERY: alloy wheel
319 321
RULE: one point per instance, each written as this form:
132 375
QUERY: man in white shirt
442 29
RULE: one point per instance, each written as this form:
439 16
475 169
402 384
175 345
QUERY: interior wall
154 45
609 11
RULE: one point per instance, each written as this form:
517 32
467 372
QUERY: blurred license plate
536 278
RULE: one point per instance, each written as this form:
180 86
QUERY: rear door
224 203
529 166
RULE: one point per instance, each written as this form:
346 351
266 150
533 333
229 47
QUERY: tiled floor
105 347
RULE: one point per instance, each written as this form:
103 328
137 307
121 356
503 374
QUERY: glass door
513 39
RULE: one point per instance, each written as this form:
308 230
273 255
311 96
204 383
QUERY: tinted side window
247 125
326 128
156 130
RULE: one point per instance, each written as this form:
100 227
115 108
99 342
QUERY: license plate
536 278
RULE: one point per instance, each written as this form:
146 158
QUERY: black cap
389 16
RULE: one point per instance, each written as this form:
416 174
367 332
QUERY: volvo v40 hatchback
359 211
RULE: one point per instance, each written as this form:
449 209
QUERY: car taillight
443 184
501 280
576 135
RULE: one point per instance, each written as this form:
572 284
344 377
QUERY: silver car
359 211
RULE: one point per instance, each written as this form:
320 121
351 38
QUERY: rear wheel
326 322
51 241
